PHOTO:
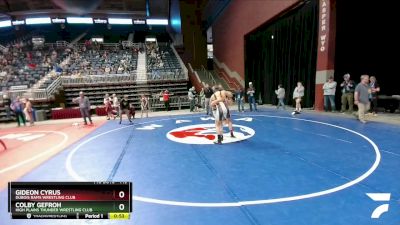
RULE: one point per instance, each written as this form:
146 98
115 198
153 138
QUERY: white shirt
329 88
115 101
298 92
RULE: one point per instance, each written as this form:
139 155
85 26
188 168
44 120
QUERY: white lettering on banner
58 20
323 41
323 22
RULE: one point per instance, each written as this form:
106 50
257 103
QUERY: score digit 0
121 207
121 194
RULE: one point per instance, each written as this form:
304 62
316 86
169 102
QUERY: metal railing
174 102
112 45
35 94
18 93
38 94
130 44
208 75
120 78
185 70
91 79
194 72
61 44
53 87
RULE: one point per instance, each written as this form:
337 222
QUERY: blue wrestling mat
279 170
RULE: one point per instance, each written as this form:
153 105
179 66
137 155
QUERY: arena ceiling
132 8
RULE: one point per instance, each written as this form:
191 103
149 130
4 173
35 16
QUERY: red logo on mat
194 132
201 134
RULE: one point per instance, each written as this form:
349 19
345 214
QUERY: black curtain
367 42
284 51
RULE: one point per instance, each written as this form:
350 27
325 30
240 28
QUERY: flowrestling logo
203 134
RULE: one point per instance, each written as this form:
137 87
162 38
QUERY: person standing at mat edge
208 92
166 96
280 94
125 105
251 96
108 106
374 95
29 111
84 106
347 93
298 94
239 99
361 97
329 94
17 107
144 105
192 98
115 102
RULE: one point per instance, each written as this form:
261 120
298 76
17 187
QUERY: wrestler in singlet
219 103
221 109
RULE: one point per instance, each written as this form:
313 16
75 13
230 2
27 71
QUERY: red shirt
165 97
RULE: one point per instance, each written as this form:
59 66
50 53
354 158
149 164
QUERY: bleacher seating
98 62
162 63
25 66
169 77
96 70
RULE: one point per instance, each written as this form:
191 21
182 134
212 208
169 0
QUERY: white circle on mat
204 134
344 186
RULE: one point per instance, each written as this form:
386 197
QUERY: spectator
347 93
239 99
375 89
192 96
280 94
132 111
202 98
251 97
7 104
115 102
29 111
329 94
107 70
166 95
144 105
125 105
361 97
208 92
108 106
84 106
298 94
17 107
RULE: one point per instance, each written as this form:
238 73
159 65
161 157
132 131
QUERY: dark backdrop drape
367 42
284 51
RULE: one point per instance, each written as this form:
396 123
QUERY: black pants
166 103
374 105
20 115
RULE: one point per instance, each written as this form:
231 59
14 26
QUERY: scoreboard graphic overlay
70 200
